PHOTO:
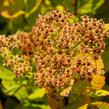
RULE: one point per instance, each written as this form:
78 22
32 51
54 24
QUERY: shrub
62 56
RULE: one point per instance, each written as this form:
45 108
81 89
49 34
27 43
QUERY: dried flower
60 50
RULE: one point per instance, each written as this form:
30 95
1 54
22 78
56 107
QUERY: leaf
21 94
40 106
6 74
60 7
67 90
38 93
89 6
102 93
10 87
44 107
101 105
35 7
97 82
8 83
75 101
84 106
99 93
6 14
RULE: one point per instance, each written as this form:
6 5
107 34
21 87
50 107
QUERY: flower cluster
60 50
9 42
19 65
66 51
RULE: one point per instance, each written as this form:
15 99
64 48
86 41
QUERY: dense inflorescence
60 50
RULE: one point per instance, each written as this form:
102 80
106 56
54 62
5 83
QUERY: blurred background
20 15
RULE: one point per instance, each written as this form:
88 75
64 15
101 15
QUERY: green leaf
85 106
10 87
14 7
6 14
60 7
6 74
35 7
89 6
44 107
21 94
101 93
38 93
67 90
41 106
101 105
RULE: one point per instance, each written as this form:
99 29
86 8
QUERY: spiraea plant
63 57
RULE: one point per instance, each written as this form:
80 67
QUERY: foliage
21 14
21 92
